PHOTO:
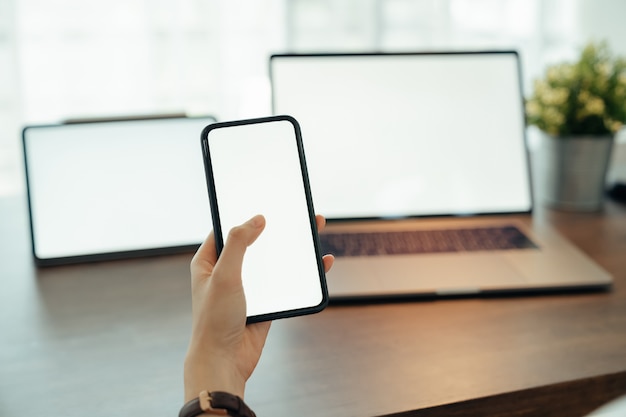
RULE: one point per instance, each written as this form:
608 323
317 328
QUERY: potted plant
579 107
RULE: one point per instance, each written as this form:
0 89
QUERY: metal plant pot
574 171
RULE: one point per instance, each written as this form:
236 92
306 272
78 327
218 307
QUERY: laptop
105 189
419 162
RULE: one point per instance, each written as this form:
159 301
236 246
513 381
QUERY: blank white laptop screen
115 187
396 135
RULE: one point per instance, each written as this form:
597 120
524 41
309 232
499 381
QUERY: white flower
533 108
553 117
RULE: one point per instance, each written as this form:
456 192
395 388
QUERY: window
70 58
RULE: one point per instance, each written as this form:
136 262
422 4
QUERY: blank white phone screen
256 170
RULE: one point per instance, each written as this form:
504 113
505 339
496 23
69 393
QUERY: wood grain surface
108 339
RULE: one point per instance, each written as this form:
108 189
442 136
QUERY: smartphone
257 166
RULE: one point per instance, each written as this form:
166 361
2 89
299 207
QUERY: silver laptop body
428 146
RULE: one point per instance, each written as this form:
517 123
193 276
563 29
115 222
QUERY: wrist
216 403
204 372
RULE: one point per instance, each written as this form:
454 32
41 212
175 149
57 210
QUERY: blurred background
64 59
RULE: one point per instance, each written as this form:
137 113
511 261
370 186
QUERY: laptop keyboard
425 241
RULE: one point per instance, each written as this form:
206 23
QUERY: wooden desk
109 339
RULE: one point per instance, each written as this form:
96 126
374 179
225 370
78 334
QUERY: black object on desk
618 192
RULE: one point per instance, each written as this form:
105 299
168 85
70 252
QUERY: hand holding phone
257 166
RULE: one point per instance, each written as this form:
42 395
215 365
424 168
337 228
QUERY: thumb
239 238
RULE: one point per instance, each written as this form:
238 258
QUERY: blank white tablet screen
116 186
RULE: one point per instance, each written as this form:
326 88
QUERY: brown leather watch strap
191 409
217 402
233 405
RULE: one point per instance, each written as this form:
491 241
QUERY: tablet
111 189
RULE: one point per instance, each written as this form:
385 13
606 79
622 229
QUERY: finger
320 221
328 261
239 238
206 255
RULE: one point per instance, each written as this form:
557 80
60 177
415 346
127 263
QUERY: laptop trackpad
447 273
424 274
354 276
